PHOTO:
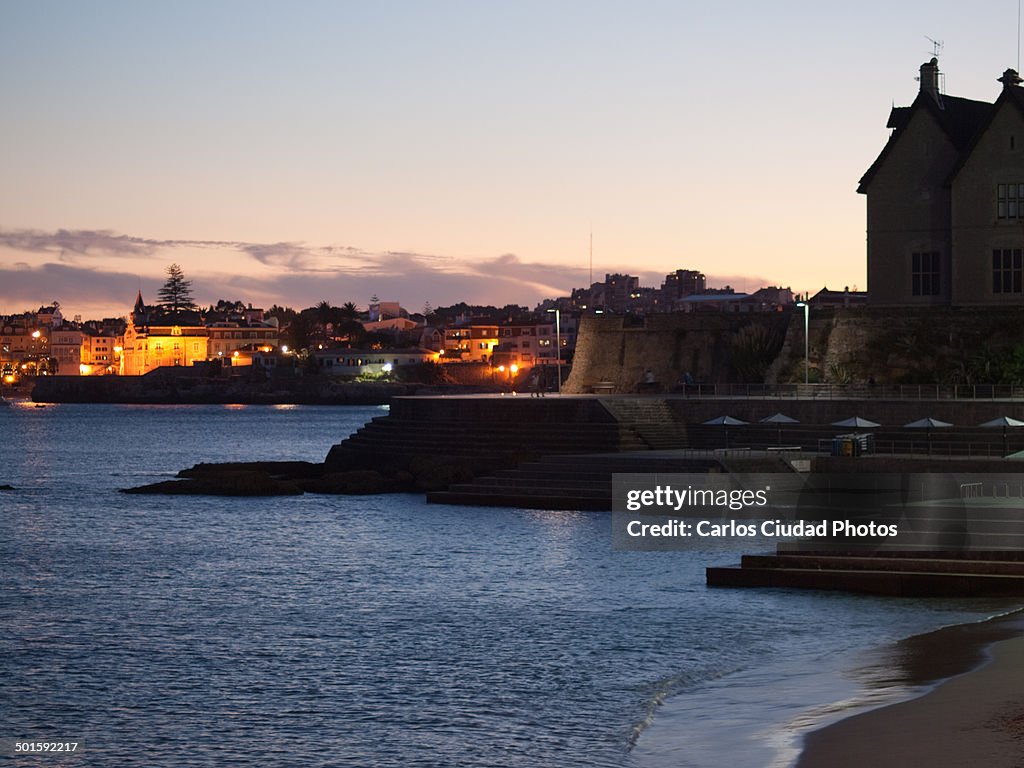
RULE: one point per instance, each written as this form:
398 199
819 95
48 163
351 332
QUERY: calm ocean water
381 631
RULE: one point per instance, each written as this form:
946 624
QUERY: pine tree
176 294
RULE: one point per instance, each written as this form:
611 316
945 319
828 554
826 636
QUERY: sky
440 151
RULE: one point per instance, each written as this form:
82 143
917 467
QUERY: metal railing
850 391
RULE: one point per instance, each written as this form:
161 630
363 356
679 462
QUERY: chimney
1009 79
930 79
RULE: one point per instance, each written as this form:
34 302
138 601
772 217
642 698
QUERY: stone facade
945 201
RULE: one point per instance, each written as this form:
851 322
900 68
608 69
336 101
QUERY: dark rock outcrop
357 482
277 478
228 483
293 470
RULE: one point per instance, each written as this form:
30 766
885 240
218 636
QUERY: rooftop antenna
1018 35
937 46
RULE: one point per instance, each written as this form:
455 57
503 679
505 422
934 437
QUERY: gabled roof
960 119
1015 96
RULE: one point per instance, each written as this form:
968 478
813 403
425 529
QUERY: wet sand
974 718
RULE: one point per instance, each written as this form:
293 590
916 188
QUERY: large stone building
945 200
155 338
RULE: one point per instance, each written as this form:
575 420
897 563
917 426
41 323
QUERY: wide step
923 583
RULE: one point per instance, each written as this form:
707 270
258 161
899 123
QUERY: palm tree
349 311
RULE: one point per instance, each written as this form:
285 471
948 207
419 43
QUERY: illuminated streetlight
512 369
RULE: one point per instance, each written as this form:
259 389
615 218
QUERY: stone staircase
650 419
566 482
906 574
486 434
974 549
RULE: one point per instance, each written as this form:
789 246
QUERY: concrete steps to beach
651 419
388 438
905 573
569 482
920 583
489 434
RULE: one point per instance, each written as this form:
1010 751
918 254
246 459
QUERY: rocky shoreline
418 474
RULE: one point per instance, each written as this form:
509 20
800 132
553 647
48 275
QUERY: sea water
380 630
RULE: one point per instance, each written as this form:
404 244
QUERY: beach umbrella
725 421
1004 422
927 423
779 419
856 422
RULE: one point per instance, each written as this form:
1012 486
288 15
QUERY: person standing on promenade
538 382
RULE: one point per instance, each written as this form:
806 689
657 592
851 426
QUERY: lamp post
807 345
558 346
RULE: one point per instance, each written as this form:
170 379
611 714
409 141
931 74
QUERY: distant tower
139 310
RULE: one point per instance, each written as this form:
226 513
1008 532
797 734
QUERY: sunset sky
440 151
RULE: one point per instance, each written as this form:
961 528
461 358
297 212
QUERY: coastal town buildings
527 344
344 340
945 200
372 362
472 343
227 340
100 353
155 338
684 290
66 348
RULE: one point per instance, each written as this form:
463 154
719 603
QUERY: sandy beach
974 718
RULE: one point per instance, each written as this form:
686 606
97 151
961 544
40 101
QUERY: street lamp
807 346
558 345
512 369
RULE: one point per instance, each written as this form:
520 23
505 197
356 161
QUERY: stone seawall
930 346
711 347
